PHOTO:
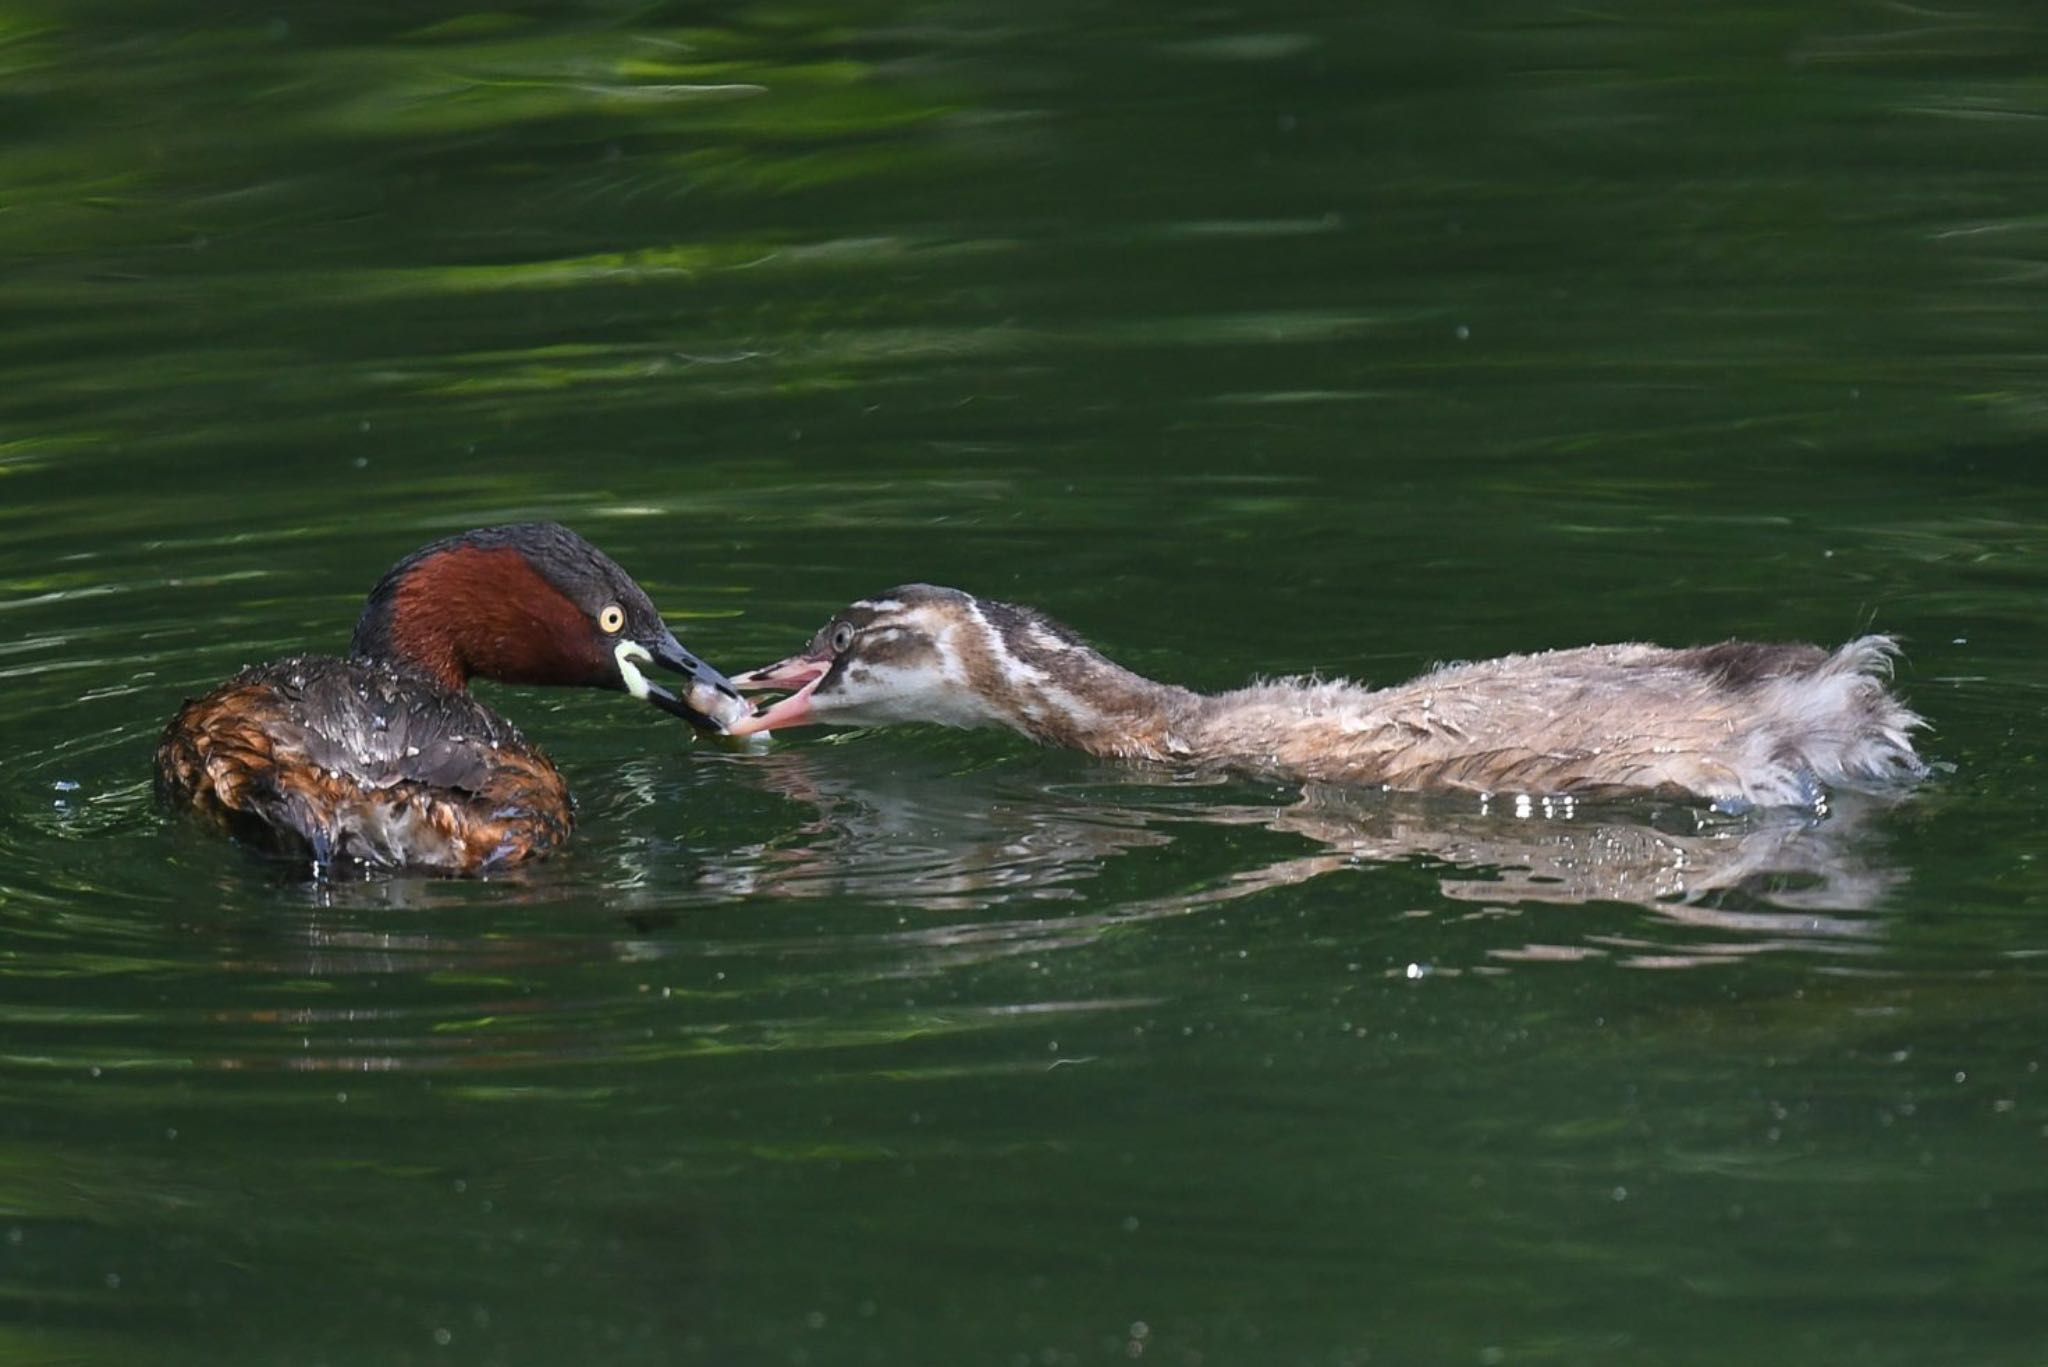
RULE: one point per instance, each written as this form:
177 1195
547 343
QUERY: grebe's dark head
930 654
534 604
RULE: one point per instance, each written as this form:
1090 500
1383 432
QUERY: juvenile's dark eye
842 637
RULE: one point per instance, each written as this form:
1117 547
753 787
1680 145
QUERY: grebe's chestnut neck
532 603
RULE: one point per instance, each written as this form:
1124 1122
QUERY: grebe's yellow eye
842 637
612 619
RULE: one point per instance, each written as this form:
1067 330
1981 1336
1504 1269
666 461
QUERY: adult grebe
1738 723
383 759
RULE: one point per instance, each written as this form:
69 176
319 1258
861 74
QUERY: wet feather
1742 723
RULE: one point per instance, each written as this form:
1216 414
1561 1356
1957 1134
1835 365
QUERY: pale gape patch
626 653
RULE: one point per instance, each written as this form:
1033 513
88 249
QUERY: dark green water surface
1249 340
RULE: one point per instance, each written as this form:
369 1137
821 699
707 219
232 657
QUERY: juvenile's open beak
708 702
803 673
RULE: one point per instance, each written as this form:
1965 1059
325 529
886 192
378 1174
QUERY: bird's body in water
383 759
1740 724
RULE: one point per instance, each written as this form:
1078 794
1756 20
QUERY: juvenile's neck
1091 703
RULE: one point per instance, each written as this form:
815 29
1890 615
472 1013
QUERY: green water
1249 340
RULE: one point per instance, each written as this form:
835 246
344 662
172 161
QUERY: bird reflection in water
921 869
915 835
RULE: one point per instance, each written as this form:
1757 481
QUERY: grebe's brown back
383 759
1737 723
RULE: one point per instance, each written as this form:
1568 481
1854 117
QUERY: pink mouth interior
790 673
793 710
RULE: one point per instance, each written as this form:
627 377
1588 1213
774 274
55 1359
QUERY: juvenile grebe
1738 723
383 759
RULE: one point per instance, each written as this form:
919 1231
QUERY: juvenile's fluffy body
1739 722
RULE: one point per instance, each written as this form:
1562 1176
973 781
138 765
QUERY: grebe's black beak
708 701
